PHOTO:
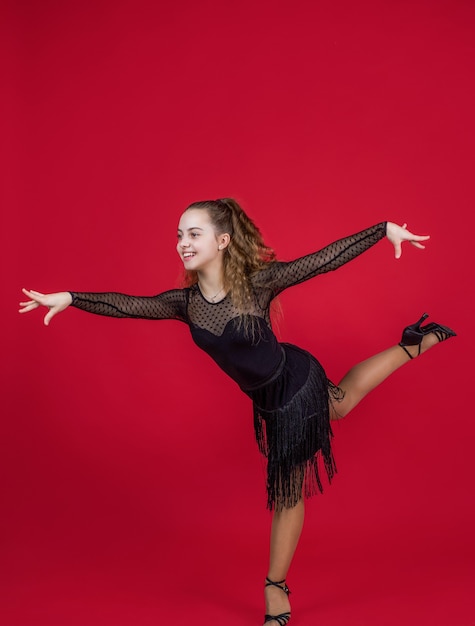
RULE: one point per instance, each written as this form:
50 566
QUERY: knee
338 411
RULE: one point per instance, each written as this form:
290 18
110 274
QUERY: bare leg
367 375
285 533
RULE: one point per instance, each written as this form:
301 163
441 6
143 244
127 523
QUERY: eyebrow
192 228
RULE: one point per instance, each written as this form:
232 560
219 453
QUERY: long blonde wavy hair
245 255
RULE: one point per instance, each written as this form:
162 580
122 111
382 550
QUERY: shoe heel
412 335
417 325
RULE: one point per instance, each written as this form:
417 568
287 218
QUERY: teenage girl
232 276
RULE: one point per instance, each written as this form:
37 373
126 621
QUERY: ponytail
245 255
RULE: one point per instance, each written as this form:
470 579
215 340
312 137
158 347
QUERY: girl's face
198 245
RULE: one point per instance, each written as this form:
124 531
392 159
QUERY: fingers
36 296
29 292
415 240
37 299
411 237
51 313
28 306
406 235
55 302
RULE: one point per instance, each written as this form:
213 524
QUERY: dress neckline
209 301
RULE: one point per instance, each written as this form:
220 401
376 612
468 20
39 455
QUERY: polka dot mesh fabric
289 388
188 305
280 275
167 305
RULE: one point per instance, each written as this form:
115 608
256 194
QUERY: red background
132 490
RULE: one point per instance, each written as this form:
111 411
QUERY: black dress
288 386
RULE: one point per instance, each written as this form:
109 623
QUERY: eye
194 235
179 236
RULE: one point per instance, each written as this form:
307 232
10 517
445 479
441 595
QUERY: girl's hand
397 234
56 302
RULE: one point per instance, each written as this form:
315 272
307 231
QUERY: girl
231 279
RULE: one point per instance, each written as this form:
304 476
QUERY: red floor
386 579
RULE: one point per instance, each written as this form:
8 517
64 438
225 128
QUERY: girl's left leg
285 533
367 375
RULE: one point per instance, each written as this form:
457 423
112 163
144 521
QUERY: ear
223 241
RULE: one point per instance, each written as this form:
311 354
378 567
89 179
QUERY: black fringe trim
296 439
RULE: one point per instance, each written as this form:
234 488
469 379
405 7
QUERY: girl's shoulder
267 274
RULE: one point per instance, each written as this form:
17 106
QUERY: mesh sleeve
280 275
167 305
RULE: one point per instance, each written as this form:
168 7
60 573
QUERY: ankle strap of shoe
280 584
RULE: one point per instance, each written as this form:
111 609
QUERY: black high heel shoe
412 335
283 618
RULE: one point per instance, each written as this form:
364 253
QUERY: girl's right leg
285 533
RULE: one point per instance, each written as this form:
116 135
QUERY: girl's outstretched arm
55 302
281 275
166 305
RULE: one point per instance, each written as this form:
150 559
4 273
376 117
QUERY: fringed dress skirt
292 427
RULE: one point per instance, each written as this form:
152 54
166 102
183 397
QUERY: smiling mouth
188 255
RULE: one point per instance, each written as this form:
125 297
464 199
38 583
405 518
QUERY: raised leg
368 374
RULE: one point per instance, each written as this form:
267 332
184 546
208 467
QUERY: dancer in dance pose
231 279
